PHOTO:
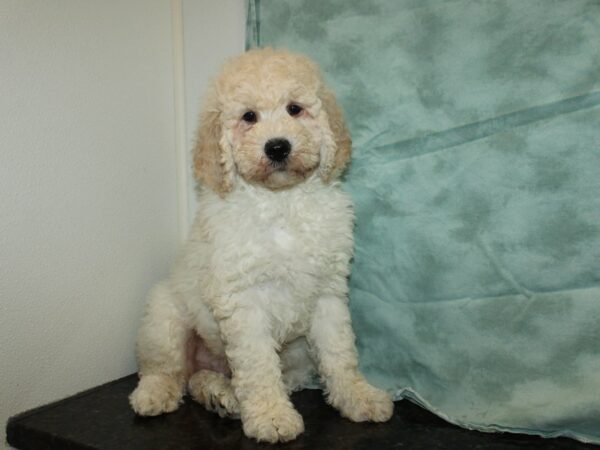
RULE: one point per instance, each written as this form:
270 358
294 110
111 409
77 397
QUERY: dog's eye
293 109
250 117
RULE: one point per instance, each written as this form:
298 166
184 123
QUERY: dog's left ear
337 147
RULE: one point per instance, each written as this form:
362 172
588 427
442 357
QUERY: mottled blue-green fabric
476 180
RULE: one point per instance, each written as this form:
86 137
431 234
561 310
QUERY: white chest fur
282 247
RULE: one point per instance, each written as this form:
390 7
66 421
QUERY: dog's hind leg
214 391
210 383
161 352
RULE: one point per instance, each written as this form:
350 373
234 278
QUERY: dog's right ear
212 167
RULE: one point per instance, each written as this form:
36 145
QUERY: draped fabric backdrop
475 289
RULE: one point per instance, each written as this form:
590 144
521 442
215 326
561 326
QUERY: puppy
258 301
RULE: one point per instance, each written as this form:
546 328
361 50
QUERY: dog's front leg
265 408
332 338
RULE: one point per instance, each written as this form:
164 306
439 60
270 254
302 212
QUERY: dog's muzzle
277 150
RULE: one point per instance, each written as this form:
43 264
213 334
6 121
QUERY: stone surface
102 419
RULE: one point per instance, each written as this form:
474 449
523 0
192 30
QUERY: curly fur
257 302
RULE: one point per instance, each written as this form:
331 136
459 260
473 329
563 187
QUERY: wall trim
180 119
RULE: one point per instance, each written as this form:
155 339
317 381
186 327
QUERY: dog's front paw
155 394
361 402
281 423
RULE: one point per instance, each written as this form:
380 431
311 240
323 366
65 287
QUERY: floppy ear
338 146
212 165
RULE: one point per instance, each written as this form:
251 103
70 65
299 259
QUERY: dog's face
271 121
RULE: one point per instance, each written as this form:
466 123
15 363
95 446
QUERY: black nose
278 149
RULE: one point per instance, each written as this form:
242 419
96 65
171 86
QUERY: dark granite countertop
101 418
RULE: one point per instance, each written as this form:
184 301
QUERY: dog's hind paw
214 391
155 394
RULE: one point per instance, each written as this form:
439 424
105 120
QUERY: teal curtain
475 289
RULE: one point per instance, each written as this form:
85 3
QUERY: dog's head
270 120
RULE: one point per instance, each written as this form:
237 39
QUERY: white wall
98 110
213 32
88 200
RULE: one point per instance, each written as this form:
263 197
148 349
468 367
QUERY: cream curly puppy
258 301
